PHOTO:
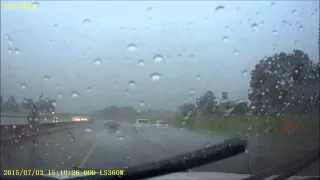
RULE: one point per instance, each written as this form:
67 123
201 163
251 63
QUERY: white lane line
87 156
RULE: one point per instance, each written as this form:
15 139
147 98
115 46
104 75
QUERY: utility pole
34 117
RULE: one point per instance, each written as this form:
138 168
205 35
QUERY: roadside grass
307 127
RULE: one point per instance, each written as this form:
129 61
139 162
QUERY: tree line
43 105
282 84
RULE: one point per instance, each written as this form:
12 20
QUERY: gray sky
62 39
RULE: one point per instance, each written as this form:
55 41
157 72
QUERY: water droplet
46 78
54 104
35 3
86 21
253 107
301 28
254 27
17 51
294 12
59 95
88 89
121 138
273 4
23 86
141 62
55 26
198 77
126 92
74 94
157 58
149 8
249 128
155 76
128 157
245 72
141 103
274 32
47 154
97 61
9 51
131 47
219 8
131 83
236 52
89 129
69 157
225 39
191 91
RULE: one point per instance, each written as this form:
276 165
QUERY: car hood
201 176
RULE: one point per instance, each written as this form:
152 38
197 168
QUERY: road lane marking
87 156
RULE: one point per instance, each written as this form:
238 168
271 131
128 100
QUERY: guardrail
21 131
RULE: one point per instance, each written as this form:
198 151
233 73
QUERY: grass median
307 127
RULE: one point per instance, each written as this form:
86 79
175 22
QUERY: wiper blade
228 148
294 167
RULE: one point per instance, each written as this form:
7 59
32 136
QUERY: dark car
112 126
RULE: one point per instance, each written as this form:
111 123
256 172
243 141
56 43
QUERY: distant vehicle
141 125
112 126
161 124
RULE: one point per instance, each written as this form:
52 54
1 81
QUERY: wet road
91 146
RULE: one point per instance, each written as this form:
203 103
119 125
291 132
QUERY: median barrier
24 130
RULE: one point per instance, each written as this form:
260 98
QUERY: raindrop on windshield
46 78
35 3
141 62
191 91
69 157
128 157
59 95
274 32
219 8
294 12
89 129
141 103
86 21
236 52
74 94
9 51
54 104
126 92
17 51
55 26
131 47
157 58
131 83
23 86
254 27
301 28
97 61
198 77
225 39
121 138
88 89
47 154
273 4
155 76
245 72
149 8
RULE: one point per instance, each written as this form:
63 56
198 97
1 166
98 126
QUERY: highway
91 146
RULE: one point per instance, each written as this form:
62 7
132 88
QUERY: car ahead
112 126
161 124
141 125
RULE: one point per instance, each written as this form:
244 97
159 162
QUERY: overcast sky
204 45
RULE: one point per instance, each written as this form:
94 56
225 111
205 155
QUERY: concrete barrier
15 131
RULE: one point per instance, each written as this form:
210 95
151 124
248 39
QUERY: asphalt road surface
91 146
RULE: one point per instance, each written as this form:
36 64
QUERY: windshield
211 69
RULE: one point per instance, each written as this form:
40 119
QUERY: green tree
207 104
284 83
187 110
11 105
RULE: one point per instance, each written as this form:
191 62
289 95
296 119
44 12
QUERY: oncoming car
141 125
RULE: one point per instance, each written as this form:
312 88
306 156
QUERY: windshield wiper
228 148
294 167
